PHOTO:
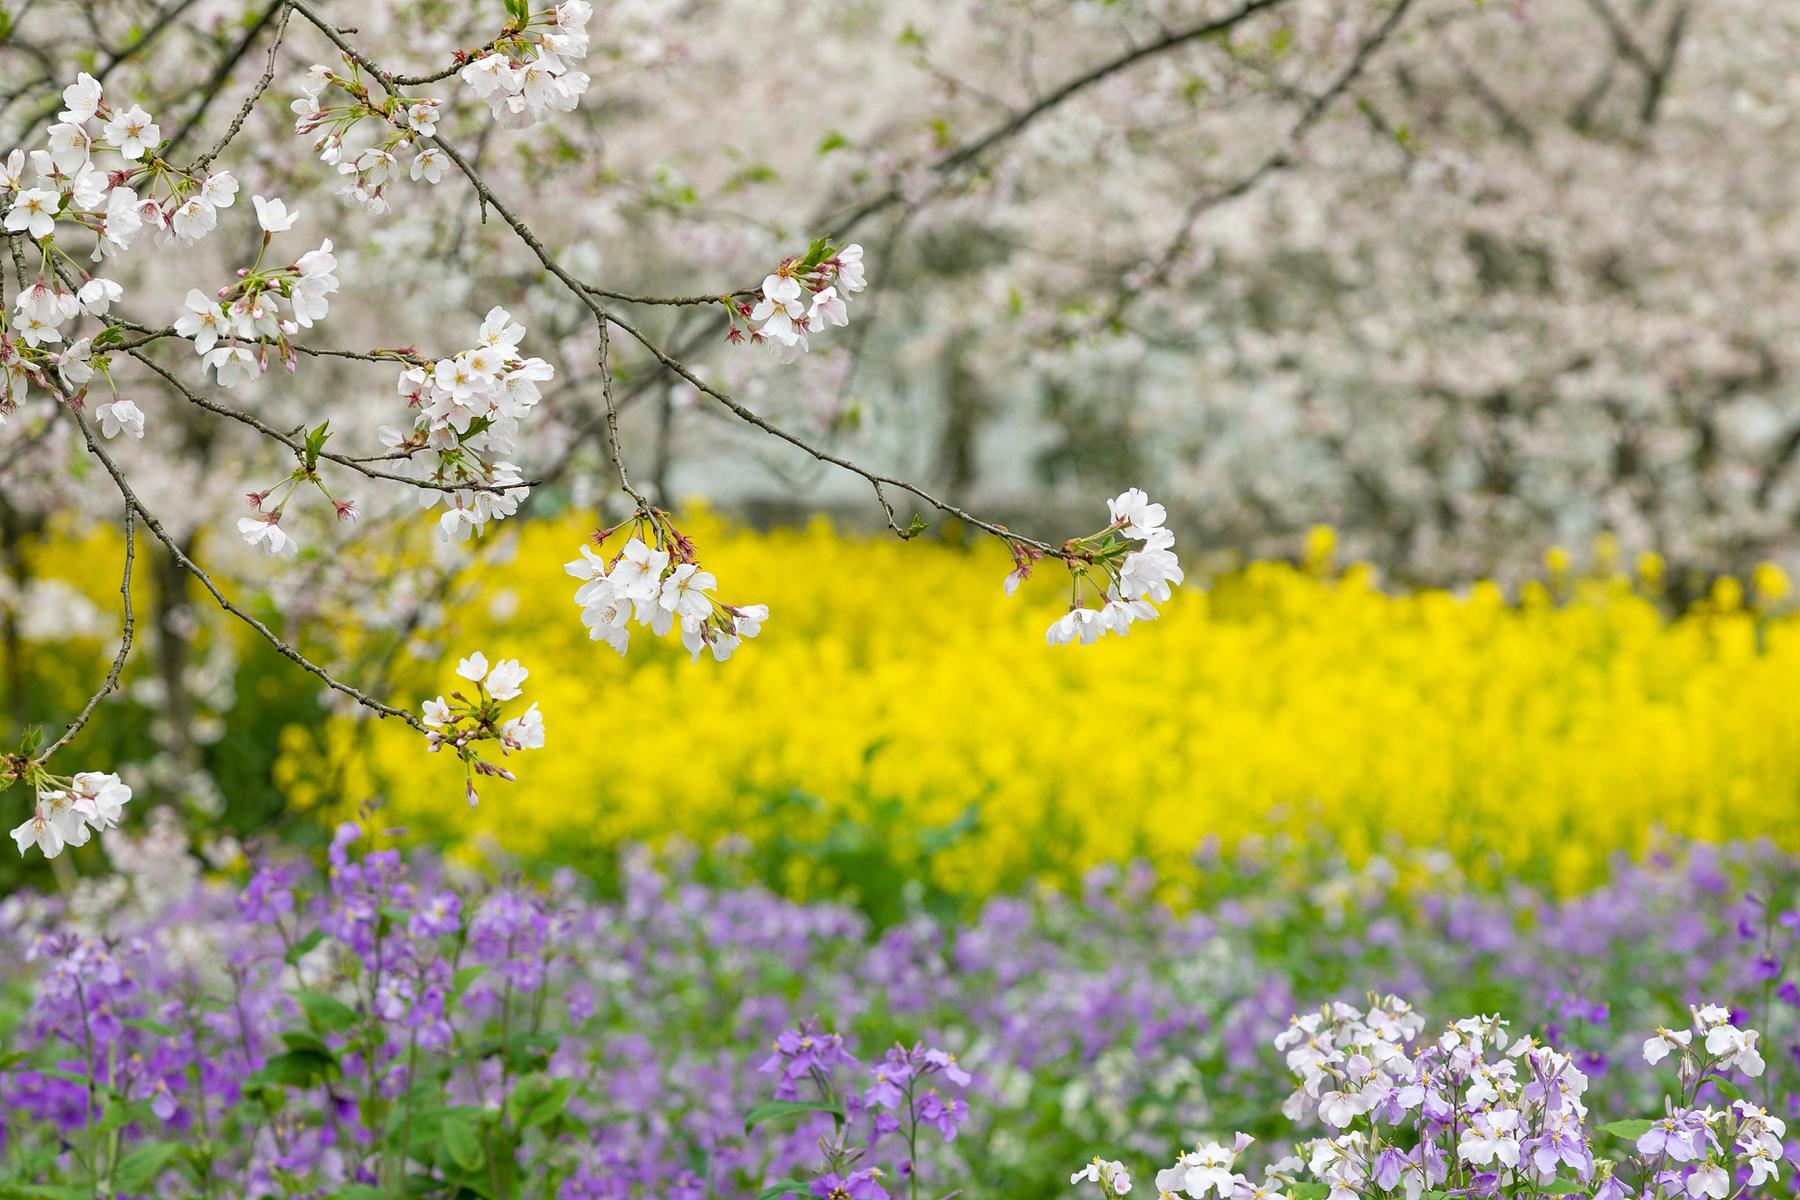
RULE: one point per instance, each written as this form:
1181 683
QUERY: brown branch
118 665
1280 160
216 85
584 294
878 481
299 449
974 149
192 568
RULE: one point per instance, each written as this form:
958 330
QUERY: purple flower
1682 1136
1612 1189
943 1060
859 1185
268 896
801 1051
941 1114
443 915
1390 1165
889 1075
162 1102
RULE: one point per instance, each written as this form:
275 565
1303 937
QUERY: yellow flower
1770 584
896 691
899 709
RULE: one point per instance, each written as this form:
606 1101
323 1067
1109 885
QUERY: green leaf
1631 1130
306 1039
460 981
526 1051
303 947
1727 1089
537 1100
462 1139
789 1108
315 443
296 1068
1308 1191
327 1012
136 1170
116 1113
1560 1187
783 1187
44 1191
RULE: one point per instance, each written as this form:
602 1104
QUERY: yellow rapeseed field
897 690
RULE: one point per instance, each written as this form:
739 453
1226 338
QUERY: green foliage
771 1109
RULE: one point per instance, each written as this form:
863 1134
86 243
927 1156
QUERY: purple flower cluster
382 1023
875 1111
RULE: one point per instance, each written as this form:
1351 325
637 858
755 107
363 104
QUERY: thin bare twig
118 664
217 83
1282 158
972 150
192 568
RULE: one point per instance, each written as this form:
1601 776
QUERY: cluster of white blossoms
1110 1174
1476 1109
802 297
41 310
367 170
233 329
75 185
462 723
69 811
661 585
469 408
84 180
1131 565
1727 1045
528 72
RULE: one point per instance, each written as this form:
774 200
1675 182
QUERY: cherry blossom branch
118 664
612 419
187 564
1655 71
463 56
299 449
115 59
584 294
878 481
673 301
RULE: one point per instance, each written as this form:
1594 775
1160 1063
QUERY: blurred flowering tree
1453 275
